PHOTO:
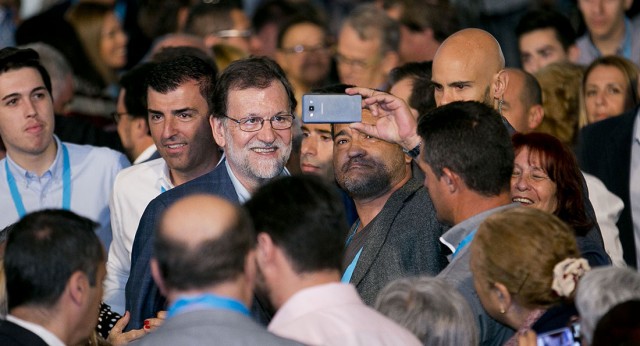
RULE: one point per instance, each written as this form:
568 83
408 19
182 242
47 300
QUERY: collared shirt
634 185
629 47
44 334
458 274
133 189
244 194
334 314
146 154
93 171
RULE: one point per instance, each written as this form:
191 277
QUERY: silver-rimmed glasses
252 124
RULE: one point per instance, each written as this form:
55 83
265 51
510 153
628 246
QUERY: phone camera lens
312 108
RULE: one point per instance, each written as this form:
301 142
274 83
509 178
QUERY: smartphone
569 336
331 108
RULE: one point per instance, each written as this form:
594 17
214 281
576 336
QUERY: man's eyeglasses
357 64
252 124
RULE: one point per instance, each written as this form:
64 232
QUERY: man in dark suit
610 150
252 116
396 234
54 267
209 287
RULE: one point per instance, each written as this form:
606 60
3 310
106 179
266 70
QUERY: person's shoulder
103 155
142 170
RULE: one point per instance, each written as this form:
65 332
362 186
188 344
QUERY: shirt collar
164 180
624 49
48 337
146 154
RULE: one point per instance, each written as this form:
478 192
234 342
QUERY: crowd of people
159 186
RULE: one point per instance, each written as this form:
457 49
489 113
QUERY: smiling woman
546 176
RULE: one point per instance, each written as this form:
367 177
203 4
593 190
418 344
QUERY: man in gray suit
208 287
396 234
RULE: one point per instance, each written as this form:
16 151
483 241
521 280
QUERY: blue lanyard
162 189
66 184
206 301
348 273
464 243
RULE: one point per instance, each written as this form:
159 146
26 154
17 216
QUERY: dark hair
371 22
304 217
170 53
208 263
208 18
159 17
252 72
421 98
619 326
12 58
440 18
532 92
134 84
274 12
297 20
43 250
170 74
560 164
470 139
548 19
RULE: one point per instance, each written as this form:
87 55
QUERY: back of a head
548 19
305 218
531 91
470 139
620 326
600 290
252 72
431 309
202 241
135 86
372 23
421 98
43 250
209 18
12 58
523 261
560 83
160 17
168 75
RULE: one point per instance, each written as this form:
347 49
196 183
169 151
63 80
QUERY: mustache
357 160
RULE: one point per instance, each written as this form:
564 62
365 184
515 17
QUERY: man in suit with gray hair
209 287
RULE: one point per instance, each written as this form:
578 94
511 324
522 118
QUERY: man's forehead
14 80
316 127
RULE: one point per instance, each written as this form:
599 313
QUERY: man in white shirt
178 104
54 267
301 232
40 171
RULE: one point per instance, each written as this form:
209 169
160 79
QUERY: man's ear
500 84
156 273
264 249
536 114
217 128
78 287
451 179
573 53
141 127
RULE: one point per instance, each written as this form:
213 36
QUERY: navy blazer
143 299
12 334
604 150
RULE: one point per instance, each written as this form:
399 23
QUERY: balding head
522 105
468 66
193 242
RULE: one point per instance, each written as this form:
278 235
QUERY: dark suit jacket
604 150
212 327
143 299
404 241
12 334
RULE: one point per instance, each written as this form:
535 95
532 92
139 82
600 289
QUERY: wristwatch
413 153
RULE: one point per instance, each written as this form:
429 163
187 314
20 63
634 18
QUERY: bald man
522 106
208 287
469 66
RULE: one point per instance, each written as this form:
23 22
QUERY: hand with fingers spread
395 121
117 337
